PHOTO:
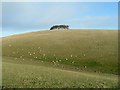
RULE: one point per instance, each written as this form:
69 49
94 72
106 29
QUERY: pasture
68 58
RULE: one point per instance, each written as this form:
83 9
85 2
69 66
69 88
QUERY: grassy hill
68 58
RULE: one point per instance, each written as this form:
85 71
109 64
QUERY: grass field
68 58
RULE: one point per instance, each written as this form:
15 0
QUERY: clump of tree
59 27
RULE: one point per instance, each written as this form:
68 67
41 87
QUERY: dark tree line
58 27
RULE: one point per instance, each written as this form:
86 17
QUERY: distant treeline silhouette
59 27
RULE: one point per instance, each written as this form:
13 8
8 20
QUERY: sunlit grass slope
89 50
68 58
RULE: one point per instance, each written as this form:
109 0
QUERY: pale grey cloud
36 15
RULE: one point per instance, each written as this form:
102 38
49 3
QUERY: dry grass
93 51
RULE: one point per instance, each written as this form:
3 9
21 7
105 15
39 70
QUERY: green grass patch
21 74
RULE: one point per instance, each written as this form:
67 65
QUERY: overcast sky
23 17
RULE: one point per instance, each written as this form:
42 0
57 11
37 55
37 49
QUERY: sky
21 17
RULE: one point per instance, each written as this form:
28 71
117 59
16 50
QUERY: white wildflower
38 47
21 56
9 45
84 54
43 54
72 61
76 56
15 58
60 60
85 66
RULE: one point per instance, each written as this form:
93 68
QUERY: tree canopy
59 27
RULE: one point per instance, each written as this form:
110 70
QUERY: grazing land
66 58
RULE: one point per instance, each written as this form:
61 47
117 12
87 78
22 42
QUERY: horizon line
55 30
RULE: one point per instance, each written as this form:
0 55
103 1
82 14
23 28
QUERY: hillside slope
94 50
68 58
